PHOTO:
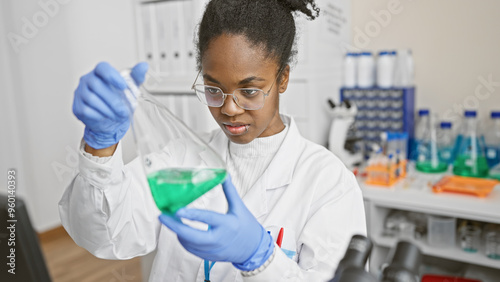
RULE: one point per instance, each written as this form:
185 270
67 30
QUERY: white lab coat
108 209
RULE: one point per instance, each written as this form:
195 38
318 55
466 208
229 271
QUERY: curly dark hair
269 24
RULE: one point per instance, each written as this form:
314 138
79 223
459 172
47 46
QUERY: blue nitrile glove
99 103
235 237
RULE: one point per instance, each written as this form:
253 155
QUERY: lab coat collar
279 172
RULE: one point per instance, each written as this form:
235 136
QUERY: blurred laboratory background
406 93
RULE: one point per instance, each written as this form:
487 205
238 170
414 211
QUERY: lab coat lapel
281 169
279 172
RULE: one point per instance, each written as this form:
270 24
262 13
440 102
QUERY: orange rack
385 175
465 185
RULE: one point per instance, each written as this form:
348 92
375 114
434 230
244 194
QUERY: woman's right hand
99 103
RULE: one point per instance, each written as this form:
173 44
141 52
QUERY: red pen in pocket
280 237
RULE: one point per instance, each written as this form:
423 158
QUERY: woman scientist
281 180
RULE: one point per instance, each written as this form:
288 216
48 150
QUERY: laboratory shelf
406 196
451 253
415 194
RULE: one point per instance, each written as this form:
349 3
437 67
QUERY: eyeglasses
245 98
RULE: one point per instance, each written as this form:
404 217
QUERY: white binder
164 30
190 22
148 31
179 38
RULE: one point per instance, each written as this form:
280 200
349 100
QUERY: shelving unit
415 195
452 253
380 110
166 28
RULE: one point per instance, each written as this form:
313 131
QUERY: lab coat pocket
288 243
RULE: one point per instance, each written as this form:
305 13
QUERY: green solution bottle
174 188
470 160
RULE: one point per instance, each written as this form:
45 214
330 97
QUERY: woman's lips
236 129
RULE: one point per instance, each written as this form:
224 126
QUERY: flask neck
425 122
496 123
470 125
132 92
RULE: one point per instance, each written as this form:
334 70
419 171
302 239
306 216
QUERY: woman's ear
285 75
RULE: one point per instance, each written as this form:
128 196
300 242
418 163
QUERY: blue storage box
380 110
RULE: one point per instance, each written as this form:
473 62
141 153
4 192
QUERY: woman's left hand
235 237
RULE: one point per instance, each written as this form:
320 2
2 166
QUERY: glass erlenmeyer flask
179 166
470 160
421 132
427 151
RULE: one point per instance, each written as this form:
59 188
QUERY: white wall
454 42
11 153
41 132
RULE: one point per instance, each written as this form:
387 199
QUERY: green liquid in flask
429 168
174 188
464 166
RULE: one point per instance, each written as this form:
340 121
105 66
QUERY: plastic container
492 241
350 70
441 231
404 69
366 70
492 140
470 160
393 55
446 142
385 70
469 236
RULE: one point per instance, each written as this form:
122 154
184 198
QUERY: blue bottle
470 160
492 140
446 140
421 133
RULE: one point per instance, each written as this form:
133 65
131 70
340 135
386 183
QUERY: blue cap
392 136
446 124
352 54
423 112
393 52
470 114
381 53
365 53
495 114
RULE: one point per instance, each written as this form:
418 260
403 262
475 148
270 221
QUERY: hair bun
308 7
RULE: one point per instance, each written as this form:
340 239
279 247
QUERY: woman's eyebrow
211 79
243 81
251 79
